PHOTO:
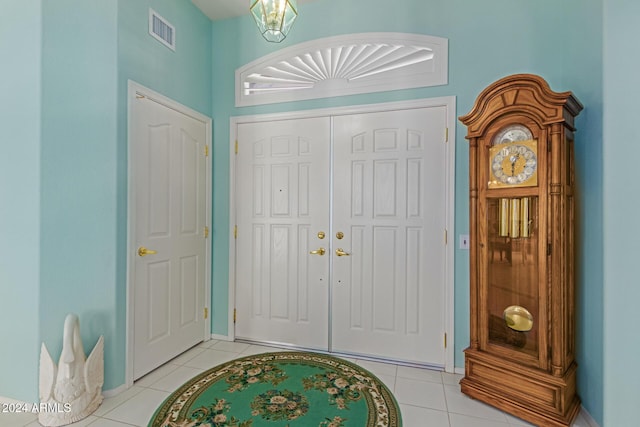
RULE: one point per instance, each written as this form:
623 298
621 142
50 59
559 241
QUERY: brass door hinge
234 315
236 146
206 313
446 134
445 340
235 232
206 232
206 150
445 236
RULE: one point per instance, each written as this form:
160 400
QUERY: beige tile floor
427 398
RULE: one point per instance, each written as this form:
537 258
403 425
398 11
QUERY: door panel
168 168
282 203
389 201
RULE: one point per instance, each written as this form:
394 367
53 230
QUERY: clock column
556 191
473 238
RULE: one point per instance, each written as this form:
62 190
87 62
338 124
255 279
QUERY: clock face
514 164
512 133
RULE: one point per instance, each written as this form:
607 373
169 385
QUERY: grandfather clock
521 357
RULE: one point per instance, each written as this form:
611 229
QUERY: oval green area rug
285 389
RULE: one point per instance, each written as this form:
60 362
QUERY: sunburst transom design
343 65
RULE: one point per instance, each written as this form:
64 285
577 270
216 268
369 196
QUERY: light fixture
274 17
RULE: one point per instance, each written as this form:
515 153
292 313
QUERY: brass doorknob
142 251
320 252
341 252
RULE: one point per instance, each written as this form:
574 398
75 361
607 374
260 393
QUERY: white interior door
168 169
282 197
390 202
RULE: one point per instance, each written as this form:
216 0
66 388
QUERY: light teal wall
582 65
621 204
64 232
487 40
20 89
183 75
79 159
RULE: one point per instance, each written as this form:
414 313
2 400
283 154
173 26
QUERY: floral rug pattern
341 389
243 376
276 405
284 389
215 416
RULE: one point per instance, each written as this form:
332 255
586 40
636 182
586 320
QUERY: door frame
450 103
136 90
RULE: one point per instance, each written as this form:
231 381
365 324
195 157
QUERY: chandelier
274 17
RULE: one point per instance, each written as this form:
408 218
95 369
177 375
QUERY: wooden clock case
530 374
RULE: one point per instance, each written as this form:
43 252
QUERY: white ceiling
223 9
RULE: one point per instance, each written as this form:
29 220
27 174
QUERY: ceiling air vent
161 30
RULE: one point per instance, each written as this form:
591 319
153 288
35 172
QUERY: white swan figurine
72 390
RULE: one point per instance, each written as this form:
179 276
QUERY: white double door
340 242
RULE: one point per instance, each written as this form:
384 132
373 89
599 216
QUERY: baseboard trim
220 337
114 391
10 401
588 418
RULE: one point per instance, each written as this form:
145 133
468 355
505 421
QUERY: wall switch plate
464 241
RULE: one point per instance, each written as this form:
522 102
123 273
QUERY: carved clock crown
514 94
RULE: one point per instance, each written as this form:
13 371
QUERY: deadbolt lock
321 234
340 235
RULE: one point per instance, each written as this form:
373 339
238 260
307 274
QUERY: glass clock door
512 274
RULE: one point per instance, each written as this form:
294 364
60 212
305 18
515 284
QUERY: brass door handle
320 252
341 252
142 251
